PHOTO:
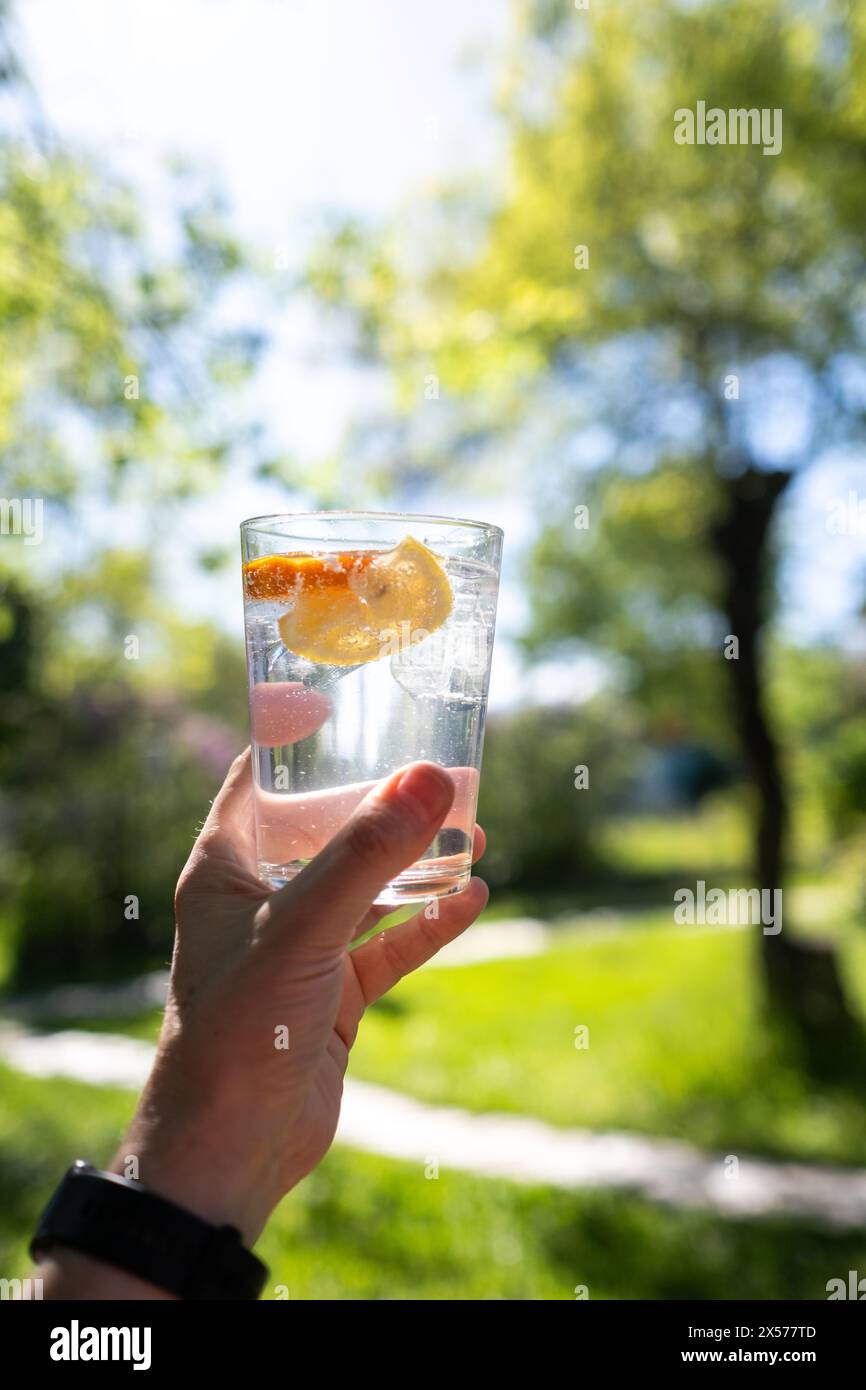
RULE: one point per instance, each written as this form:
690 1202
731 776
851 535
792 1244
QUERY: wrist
200 1157
196 1178
137 1244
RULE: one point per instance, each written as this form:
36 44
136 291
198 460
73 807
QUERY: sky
295 106
294 103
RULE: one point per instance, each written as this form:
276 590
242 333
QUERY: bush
542 828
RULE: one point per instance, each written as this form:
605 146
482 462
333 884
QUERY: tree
697 306
101 330
116 372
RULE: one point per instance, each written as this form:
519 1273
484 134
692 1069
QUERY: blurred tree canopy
687 322
116 364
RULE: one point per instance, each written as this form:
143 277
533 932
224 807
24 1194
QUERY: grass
369 1228
677 1042
716 833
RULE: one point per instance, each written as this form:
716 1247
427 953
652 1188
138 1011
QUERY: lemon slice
396 595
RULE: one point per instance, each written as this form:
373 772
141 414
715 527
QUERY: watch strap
120 1221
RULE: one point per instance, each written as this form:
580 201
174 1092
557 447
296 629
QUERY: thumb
388 831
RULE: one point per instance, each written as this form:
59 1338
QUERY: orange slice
283 576
331 627
346 607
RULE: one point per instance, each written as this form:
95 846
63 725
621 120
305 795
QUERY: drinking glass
369 637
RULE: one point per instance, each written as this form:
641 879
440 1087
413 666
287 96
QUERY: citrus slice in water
356 606
332 628
404 585
284 576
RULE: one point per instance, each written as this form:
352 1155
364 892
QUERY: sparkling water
323 735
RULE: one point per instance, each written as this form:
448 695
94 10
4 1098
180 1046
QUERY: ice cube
449 663
284 665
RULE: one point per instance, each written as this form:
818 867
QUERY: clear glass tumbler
369 638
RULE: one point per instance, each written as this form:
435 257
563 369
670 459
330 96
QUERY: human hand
231 1118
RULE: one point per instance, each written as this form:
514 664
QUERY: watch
118 1220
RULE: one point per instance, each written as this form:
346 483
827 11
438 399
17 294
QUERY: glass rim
260 523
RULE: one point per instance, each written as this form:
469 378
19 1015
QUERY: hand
231 1119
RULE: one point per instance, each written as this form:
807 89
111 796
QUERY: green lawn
677 1044
369 1228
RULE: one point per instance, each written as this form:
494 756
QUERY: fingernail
425 790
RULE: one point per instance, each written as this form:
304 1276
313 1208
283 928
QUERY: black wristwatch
120 1221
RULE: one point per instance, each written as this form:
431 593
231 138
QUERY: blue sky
299 105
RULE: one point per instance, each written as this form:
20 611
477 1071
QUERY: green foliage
817 697
635 582
116 365
92 322
847 776
733 253
730 253
106 775
541 828
703 264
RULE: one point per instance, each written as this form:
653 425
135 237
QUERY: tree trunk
801 975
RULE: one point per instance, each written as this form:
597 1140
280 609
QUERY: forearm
192 1159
